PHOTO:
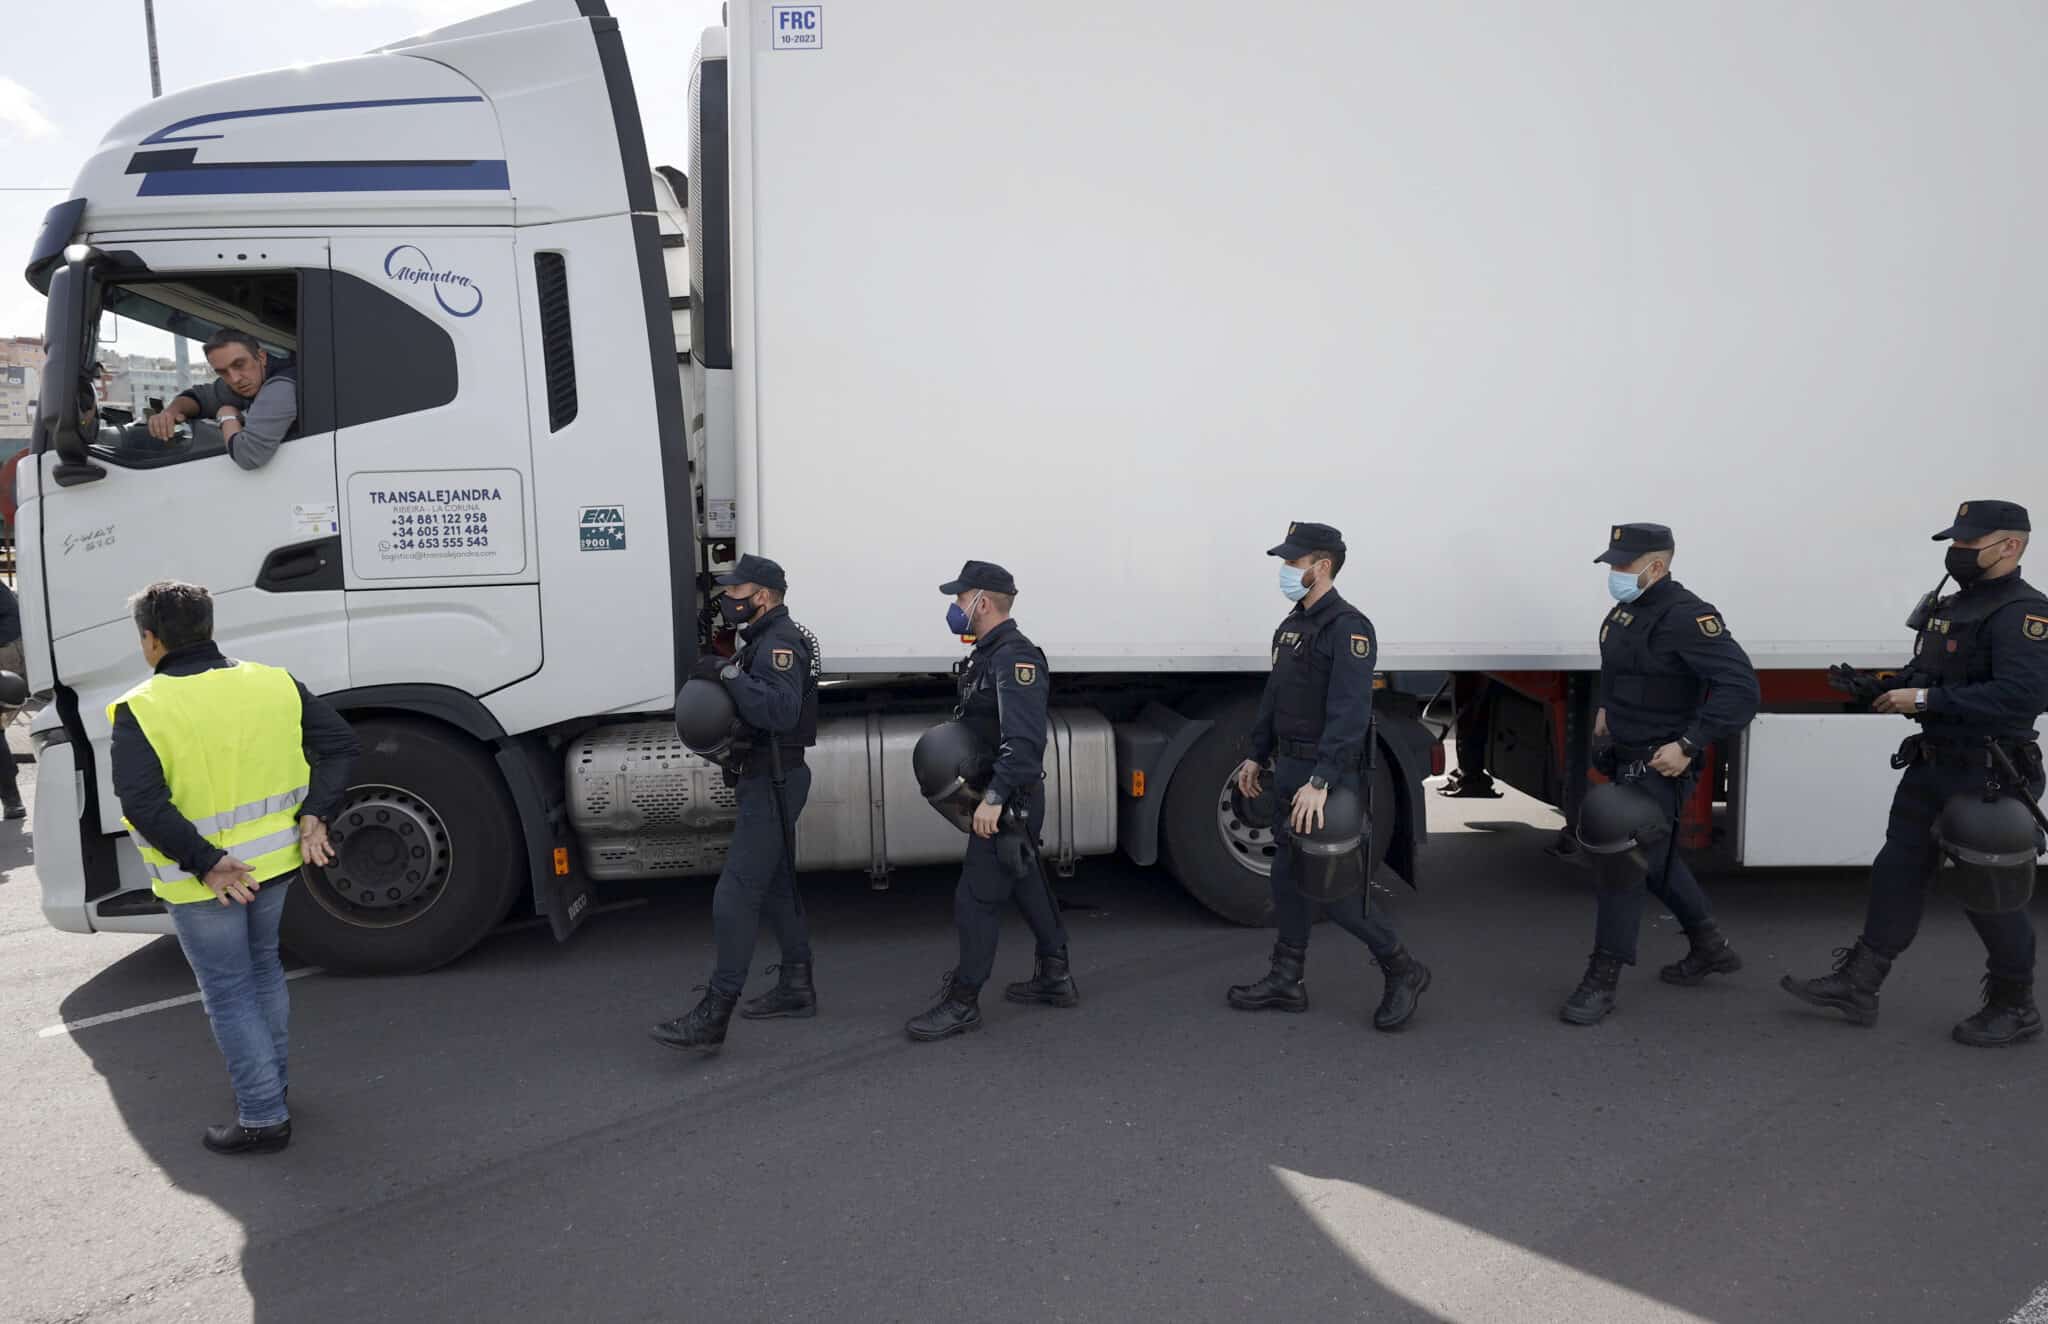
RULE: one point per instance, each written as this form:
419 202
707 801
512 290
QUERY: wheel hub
391 852
1250 841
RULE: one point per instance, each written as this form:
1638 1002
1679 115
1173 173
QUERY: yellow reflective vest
230 742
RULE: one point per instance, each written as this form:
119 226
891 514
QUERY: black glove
1861 686
708 666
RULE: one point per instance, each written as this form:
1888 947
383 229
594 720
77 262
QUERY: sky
75 68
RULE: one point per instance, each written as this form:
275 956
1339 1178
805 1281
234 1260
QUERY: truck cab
463 267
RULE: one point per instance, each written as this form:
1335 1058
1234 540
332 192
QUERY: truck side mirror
66 385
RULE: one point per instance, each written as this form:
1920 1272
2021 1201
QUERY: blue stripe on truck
324 177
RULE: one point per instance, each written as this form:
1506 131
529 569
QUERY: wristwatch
1689 749
989 797
730 671
1319 783
1919 701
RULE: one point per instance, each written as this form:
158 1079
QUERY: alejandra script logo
447 285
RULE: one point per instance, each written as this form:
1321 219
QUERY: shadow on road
500 1140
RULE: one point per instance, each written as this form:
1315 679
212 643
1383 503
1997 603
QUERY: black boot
1406 979
1476 786
2007 1017
1282 988
791 996
703 1029
1052 983
234 1138
10 805
1851 990
1593 999
957 1011
1710 955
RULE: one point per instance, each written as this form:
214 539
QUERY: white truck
1108 296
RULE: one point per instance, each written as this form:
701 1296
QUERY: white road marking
1457 1272
52 1031
2036 1309
68 1027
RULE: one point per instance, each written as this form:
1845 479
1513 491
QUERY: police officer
1672 681
1003 688
773 681
1979 673
1313 722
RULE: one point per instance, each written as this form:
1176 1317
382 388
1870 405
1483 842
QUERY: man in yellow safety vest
210 765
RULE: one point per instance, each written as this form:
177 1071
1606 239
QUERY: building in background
134 381
21 365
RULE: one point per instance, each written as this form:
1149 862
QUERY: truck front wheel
1225 861
428 857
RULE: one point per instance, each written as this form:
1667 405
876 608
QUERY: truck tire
428 852
1223 862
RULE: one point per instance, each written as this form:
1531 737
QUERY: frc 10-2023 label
437 524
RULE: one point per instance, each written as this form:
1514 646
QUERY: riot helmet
707 721
1620 816
952 770
1328 864
1993 842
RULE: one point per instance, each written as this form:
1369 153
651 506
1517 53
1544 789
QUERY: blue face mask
1622 586
956 619
1293 586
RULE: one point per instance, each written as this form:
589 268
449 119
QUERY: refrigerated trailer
1106 294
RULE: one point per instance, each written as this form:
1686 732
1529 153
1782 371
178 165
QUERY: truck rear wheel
427 852
1224 861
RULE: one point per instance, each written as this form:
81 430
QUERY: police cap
756 570
1974 519
984 575
1303 538
1627 543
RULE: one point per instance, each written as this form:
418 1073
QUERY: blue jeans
233 951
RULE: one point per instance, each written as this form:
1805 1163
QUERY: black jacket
145 796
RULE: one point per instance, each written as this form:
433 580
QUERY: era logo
798 27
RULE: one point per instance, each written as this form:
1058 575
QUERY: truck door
265 541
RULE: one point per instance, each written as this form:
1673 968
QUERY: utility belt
1630 763
1297 749
754 759
1969 754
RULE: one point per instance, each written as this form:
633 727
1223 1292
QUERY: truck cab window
152 346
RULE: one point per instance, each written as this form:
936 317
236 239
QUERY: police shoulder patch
1026 673
1361 645
783 658
2036 627
1710 625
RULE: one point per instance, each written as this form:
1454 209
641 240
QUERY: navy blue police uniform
1314 719
1980 657
1004 687
1670 672
773 680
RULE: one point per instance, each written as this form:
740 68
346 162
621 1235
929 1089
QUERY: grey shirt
265 419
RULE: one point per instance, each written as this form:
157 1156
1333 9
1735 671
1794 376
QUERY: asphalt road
500 1140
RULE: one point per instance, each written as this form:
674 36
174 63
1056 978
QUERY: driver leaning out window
254 403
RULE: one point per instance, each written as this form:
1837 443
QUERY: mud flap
561 892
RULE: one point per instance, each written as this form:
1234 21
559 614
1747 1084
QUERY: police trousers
1294 913
757 880
985 885
1903 869
1620 919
